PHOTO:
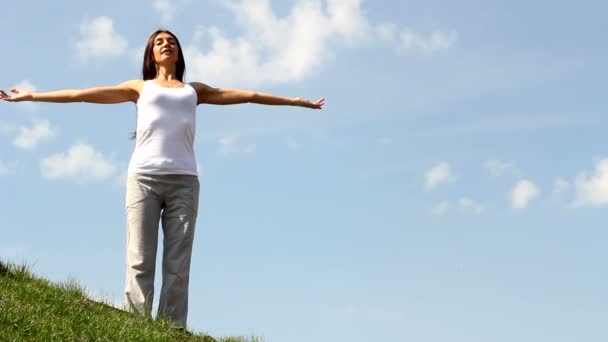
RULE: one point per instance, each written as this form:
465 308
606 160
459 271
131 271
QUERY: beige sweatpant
173 200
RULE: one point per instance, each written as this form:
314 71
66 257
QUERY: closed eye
160 41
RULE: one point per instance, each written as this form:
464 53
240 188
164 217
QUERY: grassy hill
34 309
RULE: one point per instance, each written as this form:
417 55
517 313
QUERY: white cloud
523 193
26 85
437 175
230 146
470 206
98 40
407 40
498 168
81 162
593 189
282 49
440 209
434 42
167 9
386 32
30 137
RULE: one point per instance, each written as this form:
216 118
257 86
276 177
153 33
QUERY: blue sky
454 187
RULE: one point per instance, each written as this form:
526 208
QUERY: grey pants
172 199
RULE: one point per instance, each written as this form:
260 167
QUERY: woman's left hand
20 95
305 103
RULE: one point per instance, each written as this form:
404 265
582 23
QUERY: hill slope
38 310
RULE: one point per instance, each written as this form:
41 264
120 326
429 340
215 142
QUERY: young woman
162 181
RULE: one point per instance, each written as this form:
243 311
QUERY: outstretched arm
226 96
124 92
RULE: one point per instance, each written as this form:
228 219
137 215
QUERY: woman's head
163 48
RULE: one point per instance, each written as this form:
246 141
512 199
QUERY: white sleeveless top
166 125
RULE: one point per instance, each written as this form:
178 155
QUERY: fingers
15 90
319 103
4 95
314 105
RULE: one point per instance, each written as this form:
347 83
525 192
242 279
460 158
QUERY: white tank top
166 125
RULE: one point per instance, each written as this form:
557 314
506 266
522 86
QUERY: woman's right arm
124 92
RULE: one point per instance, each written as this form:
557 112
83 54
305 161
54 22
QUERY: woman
162 181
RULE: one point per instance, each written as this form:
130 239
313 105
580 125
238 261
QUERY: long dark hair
148 69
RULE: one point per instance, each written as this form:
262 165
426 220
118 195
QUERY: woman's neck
165 73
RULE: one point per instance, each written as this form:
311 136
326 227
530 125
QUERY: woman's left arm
226 96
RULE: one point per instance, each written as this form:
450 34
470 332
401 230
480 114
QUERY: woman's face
165 49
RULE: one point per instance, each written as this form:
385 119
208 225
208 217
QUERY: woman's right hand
20 95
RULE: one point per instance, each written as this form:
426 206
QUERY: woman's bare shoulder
136 85
202 88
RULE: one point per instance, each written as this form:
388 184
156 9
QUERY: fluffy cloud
231 146
26 85
29 137
80 162
593 189
280 49
406 40
470 206
437 175
498 168
436 41
465 204
523 193
166 9
98 40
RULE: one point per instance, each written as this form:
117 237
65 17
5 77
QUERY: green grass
34 309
